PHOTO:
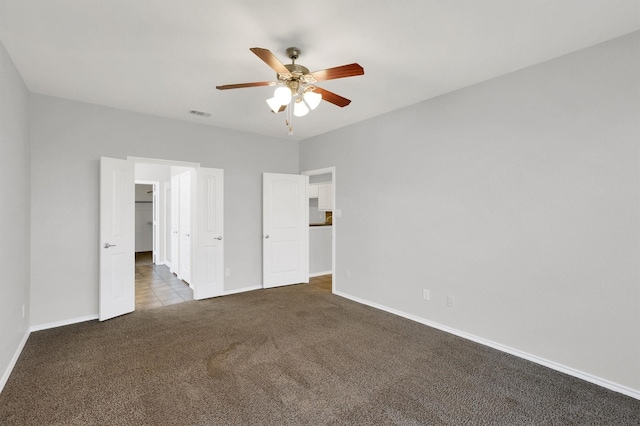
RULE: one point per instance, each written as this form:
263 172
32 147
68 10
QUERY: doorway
117 232
190 224
155 285
145 220
322 229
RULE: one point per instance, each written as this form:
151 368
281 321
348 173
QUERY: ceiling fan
296 85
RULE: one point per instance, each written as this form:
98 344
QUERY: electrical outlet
348 273
227 272
451 302
425 294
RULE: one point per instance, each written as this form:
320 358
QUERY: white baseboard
241 290
63 323
633 393
317 274
14 359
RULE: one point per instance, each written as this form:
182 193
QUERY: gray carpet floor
290 355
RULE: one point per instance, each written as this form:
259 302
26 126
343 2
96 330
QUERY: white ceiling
165 57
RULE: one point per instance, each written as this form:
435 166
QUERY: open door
117 258
175 224
208 250
184 270
285 229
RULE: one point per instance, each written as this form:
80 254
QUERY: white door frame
336 213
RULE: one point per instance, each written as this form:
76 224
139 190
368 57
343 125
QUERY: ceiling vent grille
199 113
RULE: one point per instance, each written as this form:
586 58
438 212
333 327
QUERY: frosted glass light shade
283 95
274 104
300 109
312 99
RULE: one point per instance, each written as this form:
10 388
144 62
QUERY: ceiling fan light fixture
312 99
295 84
274 104
300 109
283 95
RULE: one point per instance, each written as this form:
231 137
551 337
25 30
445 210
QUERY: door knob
107 245
266 236
218 238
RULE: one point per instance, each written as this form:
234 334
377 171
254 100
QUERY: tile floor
156 286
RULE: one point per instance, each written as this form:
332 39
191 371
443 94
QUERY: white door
208 255
165 220
185 227
154 224
285 228
175 224
117 235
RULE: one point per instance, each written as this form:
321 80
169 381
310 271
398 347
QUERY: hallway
156 286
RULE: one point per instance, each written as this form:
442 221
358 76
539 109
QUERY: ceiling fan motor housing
293 53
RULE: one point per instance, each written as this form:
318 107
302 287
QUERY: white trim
317 274
63 323
633 393
14 359
163 162
241 290
318 171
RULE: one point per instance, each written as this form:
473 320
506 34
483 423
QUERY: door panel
208 269
175 224
185 226
117 230
286 229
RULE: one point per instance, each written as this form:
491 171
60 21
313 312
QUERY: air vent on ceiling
200 113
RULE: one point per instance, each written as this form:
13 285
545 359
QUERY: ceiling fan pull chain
290 119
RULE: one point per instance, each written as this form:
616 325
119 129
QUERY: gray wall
14 211
320 249
68 139
518 196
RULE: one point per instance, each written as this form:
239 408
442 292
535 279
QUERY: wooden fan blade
282 108
241 85
332 97
338 72
269 59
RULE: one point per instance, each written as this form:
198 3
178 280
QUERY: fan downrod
293 53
